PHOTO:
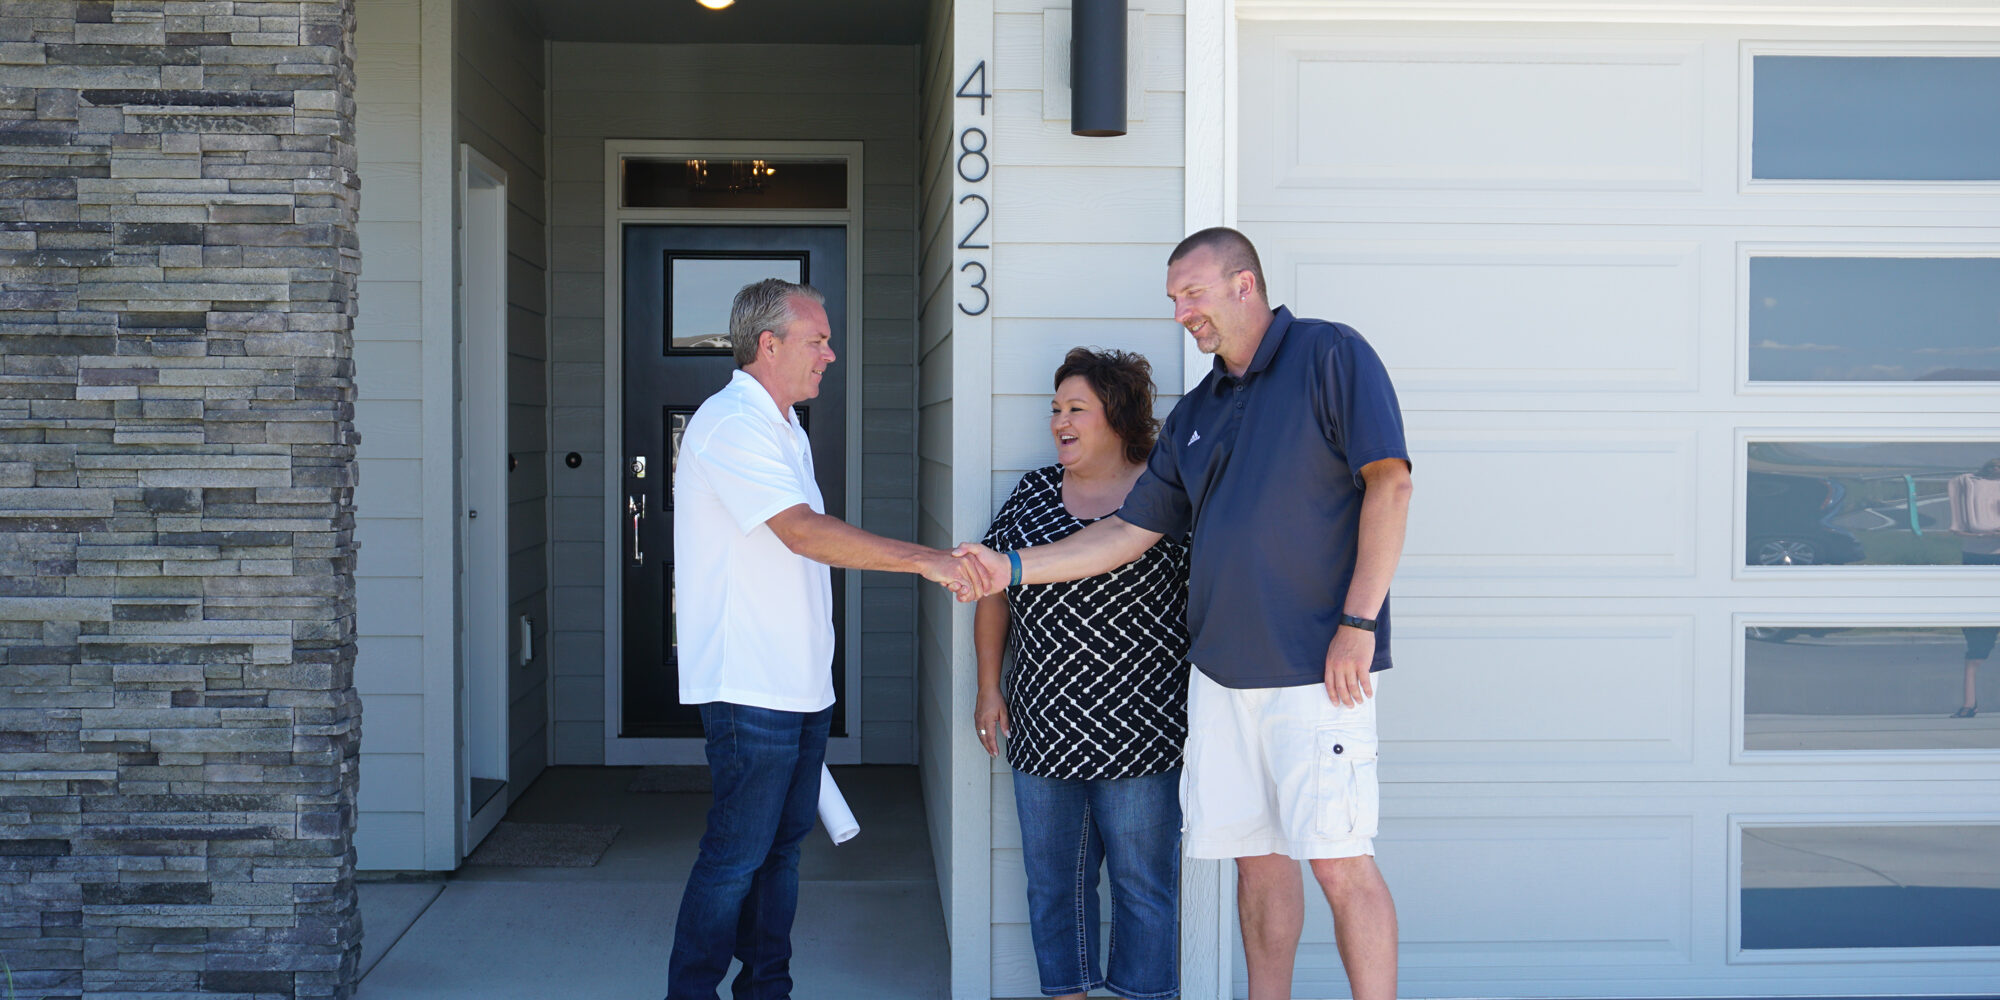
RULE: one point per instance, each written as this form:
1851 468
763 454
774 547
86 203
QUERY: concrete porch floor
869 922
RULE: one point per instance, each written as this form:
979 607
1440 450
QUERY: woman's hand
989 717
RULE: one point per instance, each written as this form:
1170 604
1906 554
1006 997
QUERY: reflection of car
1788 522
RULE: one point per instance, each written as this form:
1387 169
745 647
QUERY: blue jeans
744 889
1133 827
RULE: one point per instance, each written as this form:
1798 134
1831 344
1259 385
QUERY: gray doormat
544 845
676 778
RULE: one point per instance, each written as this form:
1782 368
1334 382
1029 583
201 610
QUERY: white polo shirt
755 620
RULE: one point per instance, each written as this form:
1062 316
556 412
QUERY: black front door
679 281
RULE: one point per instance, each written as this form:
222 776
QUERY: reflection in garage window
1898 118
1888 503
1871 887
1874 319
1810 687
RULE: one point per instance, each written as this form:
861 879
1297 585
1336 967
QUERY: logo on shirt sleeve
1192 438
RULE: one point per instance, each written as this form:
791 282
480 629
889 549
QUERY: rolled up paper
833 812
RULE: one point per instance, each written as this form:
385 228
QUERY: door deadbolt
638 467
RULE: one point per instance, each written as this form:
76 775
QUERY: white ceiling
811 22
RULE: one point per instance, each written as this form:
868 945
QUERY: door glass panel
677 422
747 183
1903 118
702 286
1809 687
1874 503
1871 886
1874 319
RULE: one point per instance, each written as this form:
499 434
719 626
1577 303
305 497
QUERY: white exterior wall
1081 231
389 365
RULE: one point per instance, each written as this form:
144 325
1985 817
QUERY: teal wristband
1014 560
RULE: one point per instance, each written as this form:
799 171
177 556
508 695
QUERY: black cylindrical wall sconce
1097 67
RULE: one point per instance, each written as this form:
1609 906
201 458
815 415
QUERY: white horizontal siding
1081 232
388 332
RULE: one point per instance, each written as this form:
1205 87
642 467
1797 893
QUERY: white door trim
484 678
1208 191
1208 888
622 750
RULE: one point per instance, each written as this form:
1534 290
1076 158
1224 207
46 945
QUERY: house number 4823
974 167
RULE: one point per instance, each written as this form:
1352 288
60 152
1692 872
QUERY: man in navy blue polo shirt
1287 471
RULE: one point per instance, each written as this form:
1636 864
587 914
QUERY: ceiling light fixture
715 4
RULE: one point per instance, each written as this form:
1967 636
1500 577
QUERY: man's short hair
1232 248
764 305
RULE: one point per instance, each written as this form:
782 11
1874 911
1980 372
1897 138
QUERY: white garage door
1696 330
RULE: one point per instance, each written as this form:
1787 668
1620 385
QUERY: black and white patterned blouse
1100 681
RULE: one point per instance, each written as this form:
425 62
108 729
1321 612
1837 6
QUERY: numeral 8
967 150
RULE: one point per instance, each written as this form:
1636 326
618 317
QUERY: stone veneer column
178 722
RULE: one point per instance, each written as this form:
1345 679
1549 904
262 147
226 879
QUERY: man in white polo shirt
756 637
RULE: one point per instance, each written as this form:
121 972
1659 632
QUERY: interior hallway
869 922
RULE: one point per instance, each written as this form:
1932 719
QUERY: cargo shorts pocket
1345 783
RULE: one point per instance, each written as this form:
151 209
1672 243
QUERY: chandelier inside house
735 176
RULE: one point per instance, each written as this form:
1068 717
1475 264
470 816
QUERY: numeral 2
985 212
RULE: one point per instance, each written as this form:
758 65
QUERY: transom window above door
745 182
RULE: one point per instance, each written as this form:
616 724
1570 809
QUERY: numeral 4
982 96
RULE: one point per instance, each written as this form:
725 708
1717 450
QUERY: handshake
970 571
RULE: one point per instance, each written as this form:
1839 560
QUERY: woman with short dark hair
1096 711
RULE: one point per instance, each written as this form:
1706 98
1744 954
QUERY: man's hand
1348 658
994 568
957 575
989 717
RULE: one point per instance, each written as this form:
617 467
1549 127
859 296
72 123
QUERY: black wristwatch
1364 624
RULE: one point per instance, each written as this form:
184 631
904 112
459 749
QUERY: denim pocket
1344 782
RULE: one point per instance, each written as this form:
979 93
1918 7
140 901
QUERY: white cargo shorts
1278 771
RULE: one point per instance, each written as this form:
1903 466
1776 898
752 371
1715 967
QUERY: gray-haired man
756 637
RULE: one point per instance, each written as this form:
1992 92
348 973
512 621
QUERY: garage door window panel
1889 886
1811 687
1875 118
1874 319
1873 503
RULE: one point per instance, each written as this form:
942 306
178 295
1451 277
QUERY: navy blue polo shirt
1263 475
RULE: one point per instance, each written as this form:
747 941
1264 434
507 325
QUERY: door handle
636 506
